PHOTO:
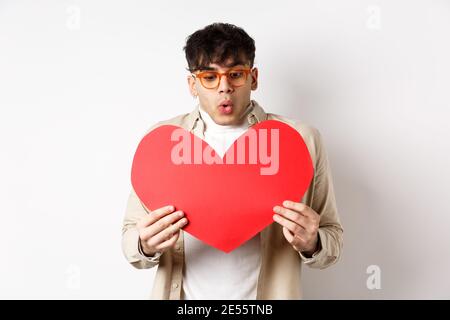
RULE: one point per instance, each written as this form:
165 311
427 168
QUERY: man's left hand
300 226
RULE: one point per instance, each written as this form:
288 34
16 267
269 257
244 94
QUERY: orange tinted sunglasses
211 79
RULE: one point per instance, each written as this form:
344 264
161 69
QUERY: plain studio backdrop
81 82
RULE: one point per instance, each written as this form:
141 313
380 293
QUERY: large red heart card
226 200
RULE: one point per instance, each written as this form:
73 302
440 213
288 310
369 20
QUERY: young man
220 59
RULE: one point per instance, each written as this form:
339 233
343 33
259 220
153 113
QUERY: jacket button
177 247
175 285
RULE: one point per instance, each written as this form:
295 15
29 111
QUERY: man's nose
224 85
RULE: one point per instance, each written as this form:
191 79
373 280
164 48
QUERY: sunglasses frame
200 75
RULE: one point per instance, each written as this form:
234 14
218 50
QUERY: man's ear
254 75
191 84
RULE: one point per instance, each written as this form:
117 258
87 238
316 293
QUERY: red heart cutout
226 203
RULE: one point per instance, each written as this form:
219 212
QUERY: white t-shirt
208 272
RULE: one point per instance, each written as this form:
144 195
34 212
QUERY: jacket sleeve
130 236
324 203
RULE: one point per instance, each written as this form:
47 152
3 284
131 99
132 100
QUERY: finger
169 243
302 208
294 216
296 241
308 223
167 233
297 206
161 224
288 235
291 226
161 212
305 222
304 235
154 216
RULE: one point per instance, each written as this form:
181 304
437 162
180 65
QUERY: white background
81 82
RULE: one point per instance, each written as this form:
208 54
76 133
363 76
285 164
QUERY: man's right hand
160 229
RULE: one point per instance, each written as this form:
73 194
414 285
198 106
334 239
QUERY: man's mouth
226 107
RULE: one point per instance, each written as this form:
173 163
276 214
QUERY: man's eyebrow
230 65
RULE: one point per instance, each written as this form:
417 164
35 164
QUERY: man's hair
217 43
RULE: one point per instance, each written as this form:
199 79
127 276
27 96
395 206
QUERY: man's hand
300 226
159 230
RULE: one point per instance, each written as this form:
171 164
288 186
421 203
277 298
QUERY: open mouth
226 107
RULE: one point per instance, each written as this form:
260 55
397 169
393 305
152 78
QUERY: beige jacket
280 271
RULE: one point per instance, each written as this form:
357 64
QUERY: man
220 59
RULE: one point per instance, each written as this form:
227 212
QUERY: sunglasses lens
237 78
210 80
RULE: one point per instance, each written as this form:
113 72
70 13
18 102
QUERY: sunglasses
211 79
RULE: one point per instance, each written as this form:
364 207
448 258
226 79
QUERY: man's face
227 103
